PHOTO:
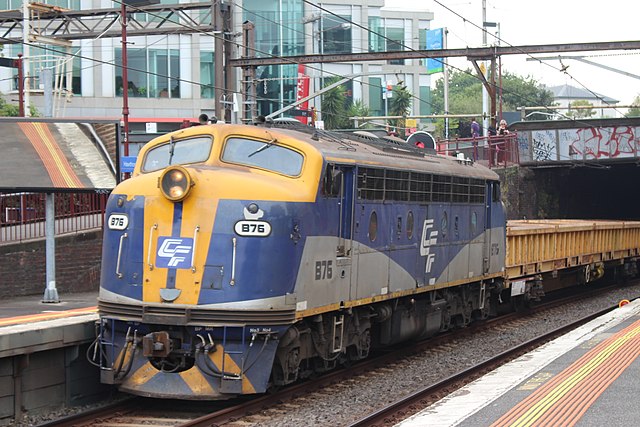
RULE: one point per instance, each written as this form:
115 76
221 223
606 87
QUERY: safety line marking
39 317
54 160
565 398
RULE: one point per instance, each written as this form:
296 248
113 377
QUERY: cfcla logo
174 252
429 238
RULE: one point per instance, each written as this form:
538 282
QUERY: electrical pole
218 61
249 104
485 94
229 72
125 80
446 85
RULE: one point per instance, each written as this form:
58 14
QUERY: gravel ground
346 402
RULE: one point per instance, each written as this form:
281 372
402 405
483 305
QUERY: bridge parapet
578 141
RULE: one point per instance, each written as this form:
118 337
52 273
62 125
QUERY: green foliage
359 109
400 105
12 110
635 110
465 93
334 111
8 110
582 113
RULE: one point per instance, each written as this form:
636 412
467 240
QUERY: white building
173 75
564 95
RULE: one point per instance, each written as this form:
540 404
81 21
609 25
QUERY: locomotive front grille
187 316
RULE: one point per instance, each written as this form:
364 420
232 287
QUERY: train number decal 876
252 228
118 222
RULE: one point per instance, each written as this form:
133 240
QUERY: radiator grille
189 316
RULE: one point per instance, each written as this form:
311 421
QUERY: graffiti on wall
599 143
544 145
523 146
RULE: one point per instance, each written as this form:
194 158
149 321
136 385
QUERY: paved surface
28 309
587 377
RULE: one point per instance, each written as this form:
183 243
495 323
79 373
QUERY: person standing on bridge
475 133
501 144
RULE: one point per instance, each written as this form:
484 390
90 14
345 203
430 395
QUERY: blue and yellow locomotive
242 257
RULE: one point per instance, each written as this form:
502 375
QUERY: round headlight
175 183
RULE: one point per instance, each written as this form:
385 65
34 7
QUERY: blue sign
434 41
174 252
127 163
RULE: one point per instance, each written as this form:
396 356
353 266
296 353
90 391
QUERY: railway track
411 404
138 411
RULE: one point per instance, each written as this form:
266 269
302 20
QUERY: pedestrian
502 130
501 145
475 128
475 133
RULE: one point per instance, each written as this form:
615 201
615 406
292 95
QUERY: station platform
587 377
29 309
28 325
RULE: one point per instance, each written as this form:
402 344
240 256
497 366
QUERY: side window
373 226
456 229
444 224
496 191
410 221
332 182
474 222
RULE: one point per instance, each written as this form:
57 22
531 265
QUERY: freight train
243 257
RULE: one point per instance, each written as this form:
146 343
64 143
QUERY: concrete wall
44 368
78 256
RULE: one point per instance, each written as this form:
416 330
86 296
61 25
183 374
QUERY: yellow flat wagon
542 246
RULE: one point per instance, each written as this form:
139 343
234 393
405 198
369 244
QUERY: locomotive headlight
175 183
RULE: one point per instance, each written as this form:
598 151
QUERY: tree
465 94
334 111
359 109
11 110
634 111
582 113
400 105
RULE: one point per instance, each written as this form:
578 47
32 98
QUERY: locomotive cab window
332 182
264 155
178 152
495 187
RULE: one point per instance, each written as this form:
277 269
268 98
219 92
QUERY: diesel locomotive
238 257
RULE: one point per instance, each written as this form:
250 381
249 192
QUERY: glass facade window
207 75
376 33
279 31
375 96
387 35
154 16
153 73
52 57
17 4
422 39
335 34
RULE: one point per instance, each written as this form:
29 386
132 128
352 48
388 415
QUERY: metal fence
492 151
22 215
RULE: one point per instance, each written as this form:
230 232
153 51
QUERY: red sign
302 91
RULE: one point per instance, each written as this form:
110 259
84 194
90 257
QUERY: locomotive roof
391 153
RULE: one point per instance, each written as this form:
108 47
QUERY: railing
492 151
22 215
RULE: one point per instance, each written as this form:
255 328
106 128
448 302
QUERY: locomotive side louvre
449 242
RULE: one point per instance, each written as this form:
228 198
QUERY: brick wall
78 256
108 135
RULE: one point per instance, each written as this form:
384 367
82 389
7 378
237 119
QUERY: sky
548 22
